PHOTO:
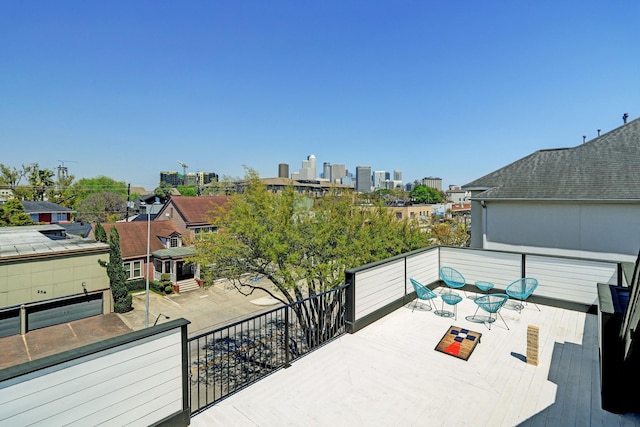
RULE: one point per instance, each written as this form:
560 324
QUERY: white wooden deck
389 374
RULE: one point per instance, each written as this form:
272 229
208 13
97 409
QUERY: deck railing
382 287
230 358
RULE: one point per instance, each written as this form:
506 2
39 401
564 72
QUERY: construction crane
184 168
63 173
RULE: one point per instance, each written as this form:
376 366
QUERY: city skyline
432 89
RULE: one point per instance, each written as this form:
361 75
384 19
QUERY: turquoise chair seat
521 290
492 304
423 293
452 278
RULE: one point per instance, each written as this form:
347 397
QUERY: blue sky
433 88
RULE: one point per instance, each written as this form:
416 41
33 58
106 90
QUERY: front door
184 270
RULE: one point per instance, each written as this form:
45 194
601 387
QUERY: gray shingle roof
605 168
43 207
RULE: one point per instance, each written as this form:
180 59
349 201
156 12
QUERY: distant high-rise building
191 178
378 178
283 170
432 182
338 171
363 179
397 175
171 177
207 178
308 170
326 171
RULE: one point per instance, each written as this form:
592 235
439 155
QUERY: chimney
598 132
625 116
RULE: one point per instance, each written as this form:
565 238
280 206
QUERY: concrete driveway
206 308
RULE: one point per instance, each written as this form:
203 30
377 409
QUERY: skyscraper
308 170
283 170
378 178
326 171
338 172
363 179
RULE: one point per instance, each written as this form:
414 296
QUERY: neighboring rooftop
133 236
605 168
197 210
43 207
33 240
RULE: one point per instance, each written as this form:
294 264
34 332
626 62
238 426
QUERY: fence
382 287
230 358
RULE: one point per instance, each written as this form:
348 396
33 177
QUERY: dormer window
173 242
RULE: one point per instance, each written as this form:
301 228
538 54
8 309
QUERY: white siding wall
379 286
570 279
135 384
423 267
500 268
603 231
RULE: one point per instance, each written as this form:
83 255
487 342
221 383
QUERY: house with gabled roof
166 253
581 201
47 212
191 214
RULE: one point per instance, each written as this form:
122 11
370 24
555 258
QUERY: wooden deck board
389 374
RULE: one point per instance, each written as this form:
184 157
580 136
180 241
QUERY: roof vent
625 116
598 132
584 138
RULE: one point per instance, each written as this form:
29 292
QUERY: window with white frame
133 269
173 242
58 217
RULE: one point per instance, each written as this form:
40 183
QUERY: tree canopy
423 194
12 213
302 246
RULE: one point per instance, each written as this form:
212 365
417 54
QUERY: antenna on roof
625 116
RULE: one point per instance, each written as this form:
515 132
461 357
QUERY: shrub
168 289
123 304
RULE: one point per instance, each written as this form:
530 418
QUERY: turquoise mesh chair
492 304
424 293
522 289
452 278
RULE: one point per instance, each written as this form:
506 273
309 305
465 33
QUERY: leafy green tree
101 207
163 190
423 194
12 213
41 180
62 192
187 190
12 176
100 184
100 234
449 233
117 274
300 245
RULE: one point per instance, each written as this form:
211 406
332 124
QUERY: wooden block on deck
532 344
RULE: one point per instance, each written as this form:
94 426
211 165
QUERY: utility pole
128 198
